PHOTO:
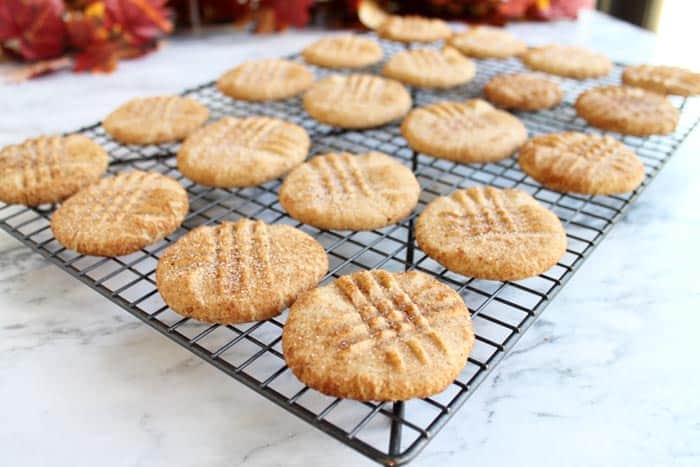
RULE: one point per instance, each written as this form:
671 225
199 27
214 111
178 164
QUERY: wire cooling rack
389 433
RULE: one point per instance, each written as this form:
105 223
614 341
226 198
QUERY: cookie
378 336
568 61
487 42
347 51
237 272
583 163
357 101
240 152
413 29
49 169
469 131
489 233
627 110
265 80
350 192
523 91
121 214
428 68
663 79
155 120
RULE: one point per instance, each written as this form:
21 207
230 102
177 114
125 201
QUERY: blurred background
94 35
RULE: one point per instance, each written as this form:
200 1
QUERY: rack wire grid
389 433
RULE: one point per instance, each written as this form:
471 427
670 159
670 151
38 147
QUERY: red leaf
140 21
288 12
100 57
515 8
33 28
83 30
103 57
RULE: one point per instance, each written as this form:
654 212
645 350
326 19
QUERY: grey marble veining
608 376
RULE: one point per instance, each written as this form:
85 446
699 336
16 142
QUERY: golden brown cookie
428 68
628 110
569 61
237 272
378 335
413 29
582 163
357 101
265 80
523 91
469 131
663 79
49 169
121 214
487 42
489 233
350 192
154 120
347 51
241 152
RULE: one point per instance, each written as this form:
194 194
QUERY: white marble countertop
608 376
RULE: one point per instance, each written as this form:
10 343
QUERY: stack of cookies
371 335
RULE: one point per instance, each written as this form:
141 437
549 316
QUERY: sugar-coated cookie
628 110
121 214
523 91
49 169
490 233
346 51
379 336
413 29
469 131
265 80
663 79
487 42
350 192
429 68
568 61
240 152
582 163
357 101
236 272
155 120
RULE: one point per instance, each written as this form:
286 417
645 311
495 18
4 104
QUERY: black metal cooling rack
501 311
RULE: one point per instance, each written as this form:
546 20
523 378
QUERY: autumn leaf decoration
96 35
93 35
109 30
32 29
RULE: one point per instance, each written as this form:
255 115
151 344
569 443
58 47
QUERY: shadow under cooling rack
389 433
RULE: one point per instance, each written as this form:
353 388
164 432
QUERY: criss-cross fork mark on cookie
123 193
421 59
587 155
664 79
358 87
343 45
459 116
340 175
485 211
254 133
484 41
158 108
270 70
240 257
628 99
413 28
39 160
390 319
121 197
